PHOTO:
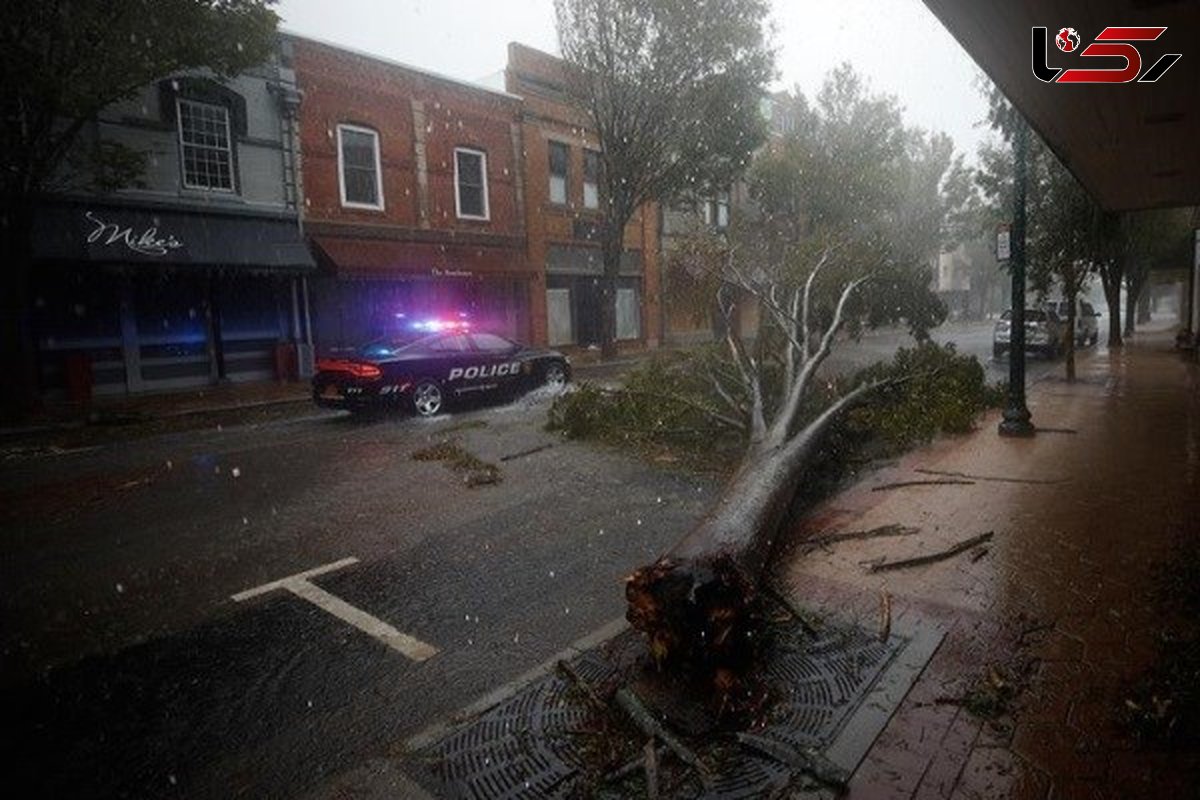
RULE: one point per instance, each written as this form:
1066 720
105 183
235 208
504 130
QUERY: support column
212 317
1016 420
131 348
420 157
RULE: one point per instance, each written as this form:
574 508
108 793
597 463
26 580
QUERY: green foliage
937 391
62 62
852 179
673 91
660 409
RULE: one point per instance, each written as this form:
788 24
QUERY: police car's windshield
388 346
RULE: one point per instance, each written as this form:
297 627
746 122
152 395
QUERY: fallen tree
699 604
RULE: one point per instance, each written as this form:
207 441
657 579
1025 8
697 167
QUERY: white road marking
298 584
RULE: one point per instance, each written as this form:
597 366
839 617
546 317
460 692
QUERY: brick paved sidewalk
1060 605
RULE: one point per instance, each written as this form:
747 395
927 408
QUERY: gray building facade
196 275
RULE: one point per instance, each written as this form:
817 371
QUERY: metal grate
528 747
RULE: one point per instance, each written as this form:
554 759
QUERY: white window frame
487 210
179 101
341 168
721 207
594 184
566 176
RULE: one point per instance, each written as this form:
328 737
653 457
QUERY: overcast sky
467 39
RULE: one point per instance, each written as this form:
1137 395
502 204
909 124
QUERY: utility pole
1016 420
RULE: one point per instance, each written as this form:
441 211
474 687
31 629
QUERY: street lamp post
1016 420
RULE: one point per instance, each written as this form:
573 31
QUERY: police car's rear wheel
427 398
556 376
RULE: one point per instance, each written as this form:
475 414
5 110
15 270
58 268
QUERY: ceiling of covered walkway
1133 145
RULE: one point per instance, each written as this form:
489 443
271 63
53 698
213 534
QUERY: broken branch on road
476 471
523 453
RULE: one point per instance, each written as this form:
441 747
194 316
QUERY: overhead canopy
389 259
1132 145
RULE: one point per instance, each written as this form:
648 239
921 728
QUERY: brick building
414 201
562 211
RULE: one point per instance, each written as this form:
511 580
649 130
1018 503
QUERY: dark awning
109 234
387 258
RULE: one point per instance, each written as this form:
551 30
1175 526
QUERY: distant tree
1151 239
61 62
852 179
674 91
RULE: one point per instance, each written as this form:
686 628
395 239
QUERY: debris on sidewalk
824 540
885 615
906 484
930 558
995 478
990 697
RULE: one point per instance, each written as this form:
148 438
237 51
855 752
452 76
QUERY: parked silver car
1043 333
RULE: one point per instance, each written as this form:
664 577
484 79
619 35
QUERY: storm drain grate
532 744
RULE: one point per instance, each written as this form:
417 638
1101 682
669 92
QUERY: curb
75 424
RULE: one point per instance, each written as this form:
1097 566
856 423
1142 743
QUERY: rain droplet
120 589
236 472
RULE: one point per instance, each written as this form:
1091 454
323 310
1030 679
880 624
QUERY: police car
426 372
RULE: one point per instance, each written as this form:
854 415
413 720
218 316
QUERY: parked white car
1043 333
1087 330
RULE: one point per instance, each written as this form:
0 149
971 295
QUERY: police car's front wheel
427 398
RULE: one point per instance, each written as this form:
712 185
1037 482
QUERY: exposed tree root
704 620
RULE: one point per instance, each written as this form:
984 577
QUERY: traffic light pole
1016 420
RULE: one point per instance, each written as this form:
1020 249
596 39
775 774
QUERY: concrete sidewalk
1061 608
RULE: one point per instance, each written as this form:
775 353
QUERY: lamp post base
1017 422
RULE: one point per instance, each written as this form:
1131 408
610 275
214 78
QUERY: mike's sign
1112 43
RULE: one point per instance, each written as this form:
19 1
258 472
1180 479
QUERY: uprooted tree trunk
698 604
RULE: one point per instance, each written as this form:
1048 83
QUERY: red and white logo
1067 40
1112 43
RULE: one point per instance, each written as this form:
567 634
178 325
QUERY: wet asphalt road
128 670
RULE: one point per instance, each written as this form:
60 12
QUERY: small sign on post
1004 242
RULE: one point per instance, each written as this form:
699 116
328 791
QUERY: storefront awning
138 235
386 258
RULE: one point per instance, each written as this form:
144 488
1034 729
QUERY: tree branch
782 426
716 416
